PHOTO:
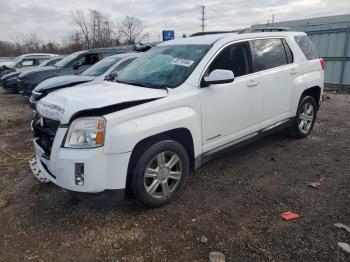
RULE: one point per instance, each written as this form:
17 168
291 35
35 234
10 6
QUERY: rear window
269 53
307 47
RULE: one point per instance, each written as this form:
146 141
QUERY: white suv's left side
171 110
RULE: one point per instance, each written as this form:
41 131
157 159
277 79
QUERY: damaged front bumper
85 173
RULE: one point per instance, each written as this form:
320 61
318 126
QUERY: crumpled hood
62 81
7 64
61 105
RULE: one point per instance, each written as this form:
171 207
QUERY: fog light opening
79 174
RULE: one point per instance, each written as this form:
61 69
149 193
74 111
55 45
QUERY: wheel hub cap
164 174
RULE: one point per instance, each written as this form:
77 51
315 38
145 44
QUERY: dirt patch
234 201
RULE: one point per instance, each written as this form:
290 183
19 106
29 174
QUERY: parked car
173 109
107 69
24 63
9 81
9 63
74 63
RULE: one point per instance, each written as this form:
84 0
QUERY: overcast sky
50 19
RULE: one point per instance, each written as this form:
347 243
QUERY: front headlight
86 132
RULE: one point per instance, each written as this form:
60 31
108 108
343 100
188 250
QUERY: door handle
252 83
294 71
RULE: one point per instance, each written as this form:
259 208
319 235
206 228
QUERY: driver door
231 111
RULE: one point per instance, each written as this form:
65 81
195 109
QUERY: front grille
44 131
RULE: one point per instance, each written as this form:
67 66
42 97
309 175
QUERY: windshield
18 58
101 67
50 62
65 61
163 66
16 62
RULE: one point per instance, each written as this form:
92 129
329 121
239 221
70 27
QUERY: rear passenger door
273 59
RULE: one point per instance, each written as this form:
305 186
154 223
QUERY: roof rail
264 29
213 33
126 48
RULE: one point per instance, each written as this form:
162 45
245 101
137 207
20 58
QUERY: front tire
160 173
305 118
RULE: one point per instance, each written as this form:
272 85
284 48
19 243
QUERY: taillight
323 63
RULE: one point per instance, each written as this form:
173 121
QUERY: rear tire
160 173
304 119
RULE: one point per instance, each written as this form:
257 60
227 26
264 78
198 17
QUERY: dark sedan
74 63
106 69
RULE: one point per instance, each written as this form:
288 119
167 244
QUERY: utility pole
273 18
203 17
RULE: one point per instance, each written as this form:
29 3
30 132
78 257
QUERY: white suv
172 110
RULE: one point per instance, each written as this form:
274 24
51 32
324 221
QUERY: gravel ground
231 205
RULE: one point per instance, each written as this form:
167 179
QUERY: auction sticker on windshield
182 62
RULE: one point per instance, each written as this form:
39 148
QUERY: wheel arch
180 135
314 92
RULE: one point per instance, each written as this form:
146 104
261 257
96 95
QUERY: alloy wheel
306 118
163 174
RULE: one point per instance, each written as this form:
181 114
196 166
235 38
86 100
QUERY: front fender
124 136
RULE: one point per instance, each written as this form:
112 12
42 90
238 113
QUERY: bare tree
95 29
81 19
32 42
74 42
132 30
9 49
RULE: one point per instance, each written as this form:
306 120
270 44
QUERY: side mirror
218 76
75 65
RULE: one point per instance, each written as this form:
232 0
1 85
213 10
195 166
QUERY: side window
92 59
307 47
41 61
289 53
236 58
88 59
27 63
268 53
121 66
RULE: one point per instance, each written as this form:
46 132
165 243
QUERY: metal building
331 36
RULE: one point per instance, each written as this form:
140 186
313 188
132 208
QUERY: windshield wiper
120 81
132 83
140 84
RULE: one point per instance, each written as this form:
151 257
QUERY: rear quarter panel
310 74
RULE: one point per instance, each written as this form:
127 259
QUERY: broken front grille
44 131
